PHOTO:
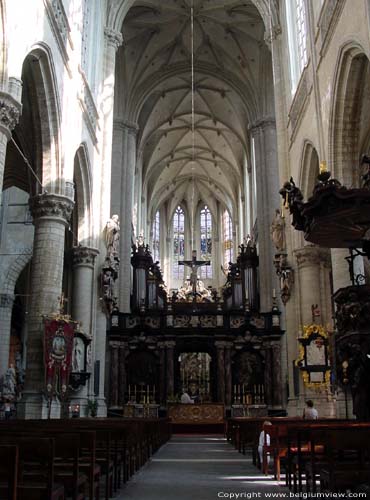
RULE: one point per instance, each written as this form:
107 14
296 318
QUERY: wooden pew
123 445
36 473
8 472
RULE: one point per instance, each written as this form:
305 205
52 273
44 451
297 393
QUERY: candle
323 167
273 293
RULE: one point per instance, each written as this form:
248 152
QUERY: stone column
228 375
83 276
313 281
83 290
124 158
220 346
102 192
6 307
170 346
51 213
264 134
314 288
10 110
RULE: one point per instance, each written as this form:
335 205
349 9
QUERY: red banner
58 345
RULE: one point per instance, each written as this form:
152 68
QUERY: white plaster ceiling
232 74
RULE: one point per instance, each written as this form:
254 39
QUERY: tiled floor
198 468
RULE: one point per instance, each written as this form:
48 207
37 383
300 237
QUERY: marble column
122 375
114 374
124 158
263 133
268 375
162 373
51 213
220 346
83 290
170 347
6 308
228 374
278 389
10 110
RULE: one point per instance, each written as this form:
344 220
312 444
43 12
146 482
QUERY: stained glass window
228 243
178 243
156 237
206 241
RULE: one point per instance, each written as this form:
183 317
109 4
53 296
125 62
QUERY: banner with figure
58 345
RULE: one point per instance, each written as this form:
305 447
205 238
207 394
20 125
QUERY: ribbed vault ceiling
233 87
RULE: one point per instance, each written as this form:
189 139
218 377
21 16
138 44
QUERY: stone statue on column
277 231
112 232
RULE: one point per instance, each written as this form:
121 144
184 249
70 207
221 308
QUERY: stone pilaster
6 307
51 213
10 110
220 346
264 134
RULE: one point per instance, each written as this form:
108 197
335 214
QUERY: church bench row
120 446
292 440
325 451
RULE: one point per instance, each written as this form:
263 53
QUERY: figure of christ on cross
194 264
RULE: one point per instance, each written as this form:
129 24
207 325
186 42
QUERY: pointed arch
309 169
40 88
83 194
350 89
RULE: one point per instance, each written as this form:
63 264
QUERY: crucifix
194 264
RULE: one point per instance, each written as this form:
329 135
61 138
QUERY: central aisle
198 468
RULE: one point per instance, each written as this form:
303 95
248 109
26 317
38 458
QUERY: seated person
310 413
261 443
185 398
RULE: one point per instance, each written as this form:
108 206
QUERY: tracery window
178 243
156 237
206 241
228 244
297 39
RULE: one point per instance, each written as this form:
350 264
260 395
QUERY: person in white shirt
186 399
262 441
310 413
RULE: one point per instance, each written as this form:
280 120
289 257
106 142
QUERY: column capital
51 206
262 123
131 127
10 111
113 38
309 256
272 34
84 256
